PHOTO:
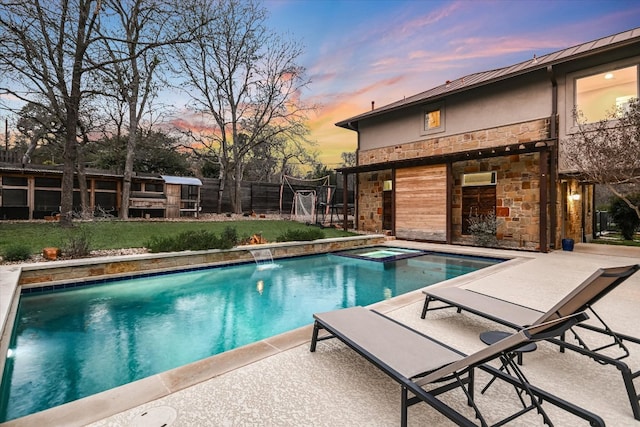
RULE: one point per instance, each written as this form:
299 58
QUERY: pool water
74 343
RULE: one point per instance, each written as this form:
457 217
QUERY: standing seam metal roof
486 77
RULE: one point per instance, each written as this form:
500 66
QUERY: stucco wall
516 101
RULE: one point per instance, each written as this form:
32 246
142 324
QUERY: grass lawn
619 242
135 234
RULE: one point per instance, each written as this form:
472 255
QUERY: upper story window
599 96
433 119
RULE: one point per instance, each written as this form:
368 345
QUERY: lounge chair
581 298
417 361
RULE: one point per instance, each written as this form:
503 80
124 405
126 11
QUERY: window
153 188
433 119
48 182
597 96
106 185
13 197
14 181
189 192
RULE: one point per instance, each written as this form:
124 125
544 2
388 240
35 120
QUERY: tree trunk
66 199
128 173
82 183
237 189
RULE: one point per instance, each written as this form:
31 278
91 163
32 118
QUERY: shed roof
182 180
487 77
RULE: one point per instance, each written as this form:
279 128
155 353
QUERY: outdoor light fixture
575 196
608 76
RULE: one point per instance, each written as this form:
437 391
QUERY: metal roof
182 180
487 77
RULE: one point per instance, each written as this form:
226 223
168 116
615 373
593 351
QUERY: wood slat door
421 203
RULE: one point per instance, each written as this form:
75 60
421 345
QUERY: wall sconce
575 196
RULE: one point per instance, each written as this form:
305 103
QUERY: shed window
48 182
153 188
14 181
12 197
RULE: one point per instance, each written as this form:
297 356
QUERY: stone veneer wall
370 187
520 132
517 199
49 274
517 206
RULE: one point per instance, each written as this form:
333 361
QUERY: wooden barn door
421 203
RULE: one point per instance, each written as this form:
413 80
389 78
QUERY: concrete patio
280 383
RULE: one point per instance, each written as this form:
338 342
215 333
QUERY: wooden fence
258 197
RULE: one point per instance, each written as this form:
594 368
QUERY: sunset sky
359 51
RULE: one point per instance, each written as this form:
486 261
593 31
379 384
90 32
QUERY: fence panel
258 197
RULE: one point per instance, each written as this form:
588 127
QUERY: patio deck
278 382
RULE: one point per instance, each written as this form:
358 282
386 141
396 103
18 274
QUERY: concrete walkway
289 386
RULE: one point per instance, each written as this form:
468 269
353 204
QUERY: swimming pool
78 342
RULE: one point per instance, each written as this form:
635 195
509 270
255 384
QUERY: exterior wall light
575 196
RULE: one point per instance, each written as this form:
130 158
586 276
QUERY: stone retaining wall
50 274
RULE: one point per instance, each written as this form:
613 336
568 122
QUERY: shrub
228 238
196 240
16 252
483 229
301 234
78 245
625 218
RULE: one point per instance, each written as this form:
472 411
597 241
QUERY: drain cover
160 416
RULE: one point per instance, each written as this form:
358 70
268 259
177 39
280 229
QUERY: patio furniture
582 298
492 337
415 361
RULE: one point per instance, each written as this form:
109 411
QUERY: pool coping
102 405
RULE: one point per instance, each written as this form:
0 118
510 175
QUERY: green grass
134 234
618 242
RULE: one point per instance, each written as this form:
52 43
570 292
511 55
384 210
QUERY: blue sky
359 51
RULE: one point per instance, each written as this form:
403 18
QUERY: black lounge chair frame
459 373
618 275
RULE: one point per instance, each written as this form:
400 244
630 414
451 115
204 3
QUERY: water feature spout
263 259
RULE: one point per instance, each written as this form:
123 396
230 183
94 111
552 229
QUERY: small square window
433 119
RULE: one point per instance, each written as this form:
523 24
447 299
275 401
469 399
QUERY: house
491 142
35 191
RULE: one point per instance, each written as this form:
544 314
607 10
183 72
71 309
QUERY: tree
624 217
280 156
155 153
245 78
39 127
43 58
132 50
608 152
348 159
